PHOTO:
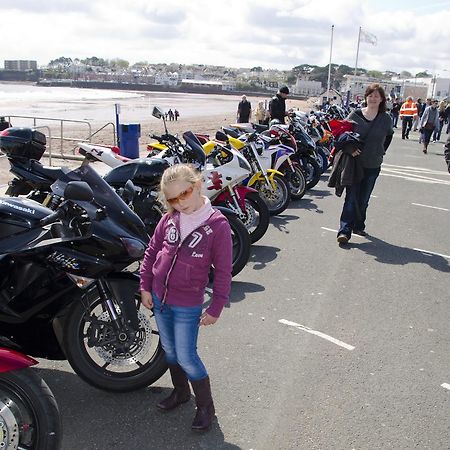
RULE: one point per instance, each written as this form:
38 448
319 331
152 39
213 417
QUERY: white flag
368 37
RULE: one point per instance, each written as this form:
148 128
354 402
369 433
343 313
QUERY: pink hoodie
178 271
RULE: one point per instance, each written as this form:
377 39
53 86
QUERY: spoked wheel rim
273 197
18 424
119 353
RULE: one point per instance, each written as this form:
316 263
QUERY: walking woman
428 123
374 125
188 240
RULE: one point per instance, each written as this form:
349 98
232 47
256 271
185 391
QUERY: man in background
244 110
277 106
407 113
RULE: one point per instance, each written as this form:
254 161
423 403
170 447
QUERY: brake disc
9 428
139 350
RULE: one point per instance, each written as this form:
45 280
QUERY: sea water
98 105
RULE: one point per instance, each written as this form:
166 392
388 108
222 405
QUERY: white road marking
446 386
433 207
427 252
317 333
415 174
335 231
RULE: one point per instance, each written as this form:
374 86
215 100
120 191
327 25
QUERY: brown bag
429 126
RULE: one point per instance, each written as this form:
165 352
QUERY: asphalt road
322 347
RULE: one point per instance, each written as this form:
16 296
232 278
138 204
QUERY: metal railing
86 137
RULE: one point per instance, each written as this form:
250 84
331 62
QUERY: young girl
189 238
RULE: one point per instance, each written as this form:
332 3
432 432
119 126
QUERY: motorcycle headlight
134 248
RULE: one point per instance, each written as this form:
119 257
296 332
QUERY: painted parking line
335 231
429 206
427 252
445 386
317 333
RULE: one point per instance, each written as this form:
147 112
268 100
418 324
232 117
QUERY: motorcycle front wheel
111 359
277 200
297 183
29 415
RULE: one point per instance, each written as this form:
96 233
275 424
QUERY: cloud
234 33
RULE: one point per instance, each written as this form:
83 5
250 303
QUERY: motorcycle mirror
78 190
221 136
157 113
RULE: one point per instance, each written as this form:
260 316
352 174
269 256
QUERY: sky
412 35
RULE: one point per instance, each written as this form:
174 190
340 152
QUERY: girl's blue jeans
178 330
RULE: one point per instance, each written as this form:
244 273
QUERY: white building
307 87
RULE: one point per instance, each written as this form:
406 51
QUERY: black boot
181 392
205 406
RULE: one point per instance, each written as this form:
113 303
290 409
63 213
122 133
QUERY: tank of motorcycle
17 217
142 172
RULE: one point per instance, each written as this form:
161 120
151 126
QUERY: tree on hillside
94 61
405 74
62 61
374 74
118 63
423 74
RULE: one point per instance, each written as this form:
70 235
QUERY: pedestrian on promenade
176 114
244 110
447 117
277 106
4 124
407 113
428 123
447 152
416 121
170 113
188 240
396 105
261 113
374 125
442 116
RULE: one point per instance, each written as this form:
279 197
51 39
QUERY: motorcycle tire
29 414
312 172
256 217
276 201
109 366
241 241
322 159
297 183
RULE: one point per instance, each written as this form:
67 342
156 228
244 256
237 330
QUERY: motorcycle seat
52 173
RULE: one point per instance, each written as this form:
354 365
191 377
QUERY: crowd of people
172 115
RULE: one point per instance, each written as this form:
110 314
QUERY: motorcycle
223 172
34 180
29 414
67 294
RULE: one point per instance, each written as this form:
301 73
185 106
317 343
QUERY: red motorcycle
29 415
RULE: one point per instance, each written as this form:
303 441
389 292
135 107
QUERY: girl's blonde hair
178 172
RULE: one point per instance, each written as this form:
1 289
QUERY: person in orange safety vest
407 113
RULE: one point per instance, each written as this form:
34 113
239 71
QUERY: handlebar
54 217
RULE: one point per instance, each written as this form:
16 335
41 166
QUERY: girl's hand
357 152
146 298
206 319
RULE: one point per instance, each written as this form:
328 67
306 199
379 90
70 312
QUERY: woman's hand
146 298
356 152
206 319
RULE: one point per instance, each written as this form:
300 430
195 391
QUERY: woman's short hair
376 87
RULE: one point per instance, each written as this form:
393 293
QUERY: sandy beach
81 109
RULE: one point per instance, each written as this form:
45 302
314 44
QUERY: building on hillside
20 65
306 87
202 84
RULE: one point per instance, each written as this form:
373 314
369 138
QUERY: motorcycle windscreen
105 196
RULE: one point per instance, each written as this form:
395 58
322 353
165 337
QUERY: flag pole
357 50
329 65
